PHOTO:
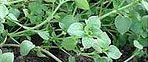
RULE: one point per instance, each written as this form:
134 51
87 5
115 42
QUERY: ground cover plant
73 30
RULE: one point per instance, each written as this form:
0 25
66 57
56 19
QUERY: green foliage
83 4
6 57
122 24
98 29
69 43
137 44
44 35
25 47
3 12
114 52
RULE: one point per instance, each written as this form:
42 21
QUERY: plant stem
130 58
122 8
9 3
50 54
43 50
10 45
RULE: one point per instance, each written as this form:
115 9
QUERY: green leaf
93 26
83 4
12 17
7 57
145 22
69 43
1 28
136 27
44 35
102 43
105 37
25 47
3 11
143 42
71 59
87 42
137 44
93 22
145 4
113 52
122 24
76 29
15 12
116 3
96 46
67 21
92 31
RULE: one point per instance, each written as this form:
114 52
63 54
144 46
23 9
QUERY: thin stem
122 8
13 2
130 58
50 54
74 11
10 45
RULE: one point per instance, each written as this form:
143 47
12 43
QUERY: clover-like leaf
137 44
67 21
25 47
87 42
113 52
69 43
76 29
7 57
93 22
105 37
44 35
96 46
102 43
3 11
122 24
83 4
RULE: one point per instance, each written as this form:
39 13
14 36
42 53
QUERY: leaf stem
122 8
50 54
130 58
9 3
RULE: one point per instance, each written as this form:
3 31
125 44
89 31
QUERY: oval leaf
87 42
76 29
67 21
69 43
44 35
3 11
25 47
137 44
83 4
7 57
93 22
114 52
122 24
